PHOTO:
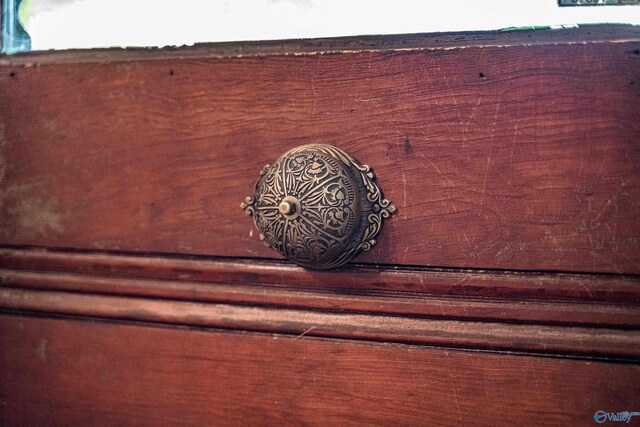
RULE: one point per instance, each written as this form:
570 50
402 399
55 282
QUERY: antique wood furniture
504 289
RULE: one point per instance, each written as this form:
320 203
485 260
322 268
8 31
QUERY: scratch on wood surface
467 239
435 167
469 120
549 235
305 332
535 375
586 289
614 201
484 181
379 100
445 120
455 396
602 211
442 380
400 155
404 192
614 267
456 283
493 135
451 93
629 259
513 146
312 84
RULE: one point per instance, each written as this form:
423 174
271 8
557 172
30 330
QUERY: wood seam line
337 45
358 281
532 312
544 339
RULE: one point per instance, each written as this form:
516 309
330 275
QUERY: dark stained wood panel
62 372
601 301
511 157
338 300
610 33
599 342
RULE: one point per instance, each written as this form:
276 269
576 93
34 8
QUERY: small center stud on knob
286 208
289 207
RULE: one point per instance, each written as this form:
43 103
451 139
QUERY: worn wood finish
570 299
490 300
587 342
86 373
513 157
356 279
611 33
549 311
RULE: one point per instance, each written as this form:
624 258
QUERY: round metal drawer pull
317 206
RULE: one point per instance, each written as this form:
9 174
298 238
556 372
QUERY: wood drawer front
510 153
65 372
134 290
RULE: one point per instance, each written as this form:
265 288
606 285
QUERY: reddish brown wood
612 33
592 342
518 157
61 372
515 151
353 280
383 303
602 301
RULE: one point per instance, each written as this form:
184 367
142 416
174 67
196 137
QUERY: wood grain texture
561 312
86 373
516 157
540 339
568 299
611 33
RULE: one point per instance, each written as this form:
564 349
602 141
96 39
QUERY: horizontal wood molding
379 303
117 373
367 280
581 315
611 33
500 154
592 342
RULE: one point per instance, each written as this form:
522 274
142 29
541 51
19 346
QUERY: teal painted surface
14 38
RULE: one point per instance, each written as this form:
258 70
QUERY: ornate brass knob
317 206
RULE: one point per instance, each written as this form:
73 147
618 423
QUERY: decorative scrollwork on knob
317 206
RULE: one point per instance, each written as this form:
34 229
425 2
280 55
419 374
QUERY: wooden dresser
504 290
